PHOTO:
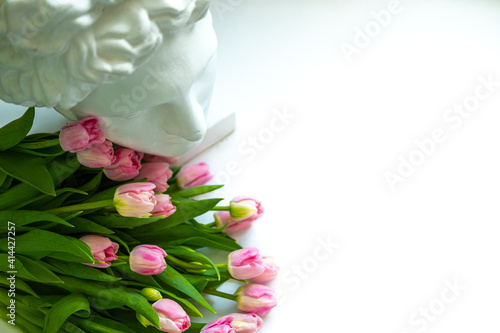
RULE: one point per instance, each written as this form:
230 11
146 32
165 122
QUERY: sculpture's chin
161 144
172 149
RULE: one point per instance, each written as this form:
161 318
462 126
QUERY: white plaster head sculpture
145 68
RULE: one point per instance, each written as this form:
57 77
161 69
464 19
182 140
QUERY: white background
321 173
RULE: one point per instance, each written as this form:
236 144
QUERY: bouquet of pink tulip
99 238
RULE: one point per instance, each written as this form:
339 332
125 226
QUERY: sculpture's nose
186 120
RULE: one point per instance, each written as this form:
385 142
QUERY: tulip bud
163 207
221 325
156 158
194 175
98 155
173 318
255 298
157 173
270 272
245 322
245 209
151 294
245 263
126 165
103 249
80 135
223 218
148 260
135 199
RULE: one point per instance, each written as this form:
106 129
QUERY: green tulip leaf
36 317
70 327
40 143
49 202
22 324
105 325
23 194
199 282
175 279
40 243
24 217
26 268
6 183
191 236
45 152
129 275
79 270
105 292
20 284
15 131
62 167
3 178
194 191
28 169
117 221
42 304
64 308
124 239
19 196
81 225
185 211
148 281
190 256
199 242
190 309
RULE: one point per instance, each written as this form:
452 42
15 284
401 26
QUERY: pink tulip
164 206
223 217
98 155
245 263
221 325
148 260
157 173
255 298
194 175
270 272
103 249
81 134
245 322
245 209
126 165
173 318
156 158
135 199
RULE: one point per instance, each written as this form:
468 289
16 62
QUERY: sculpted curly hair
54 53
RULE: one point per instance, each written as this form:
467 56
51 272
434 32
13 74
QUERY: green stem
220 294
223 208
80 207
184 264
223 266
210 225
38 144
